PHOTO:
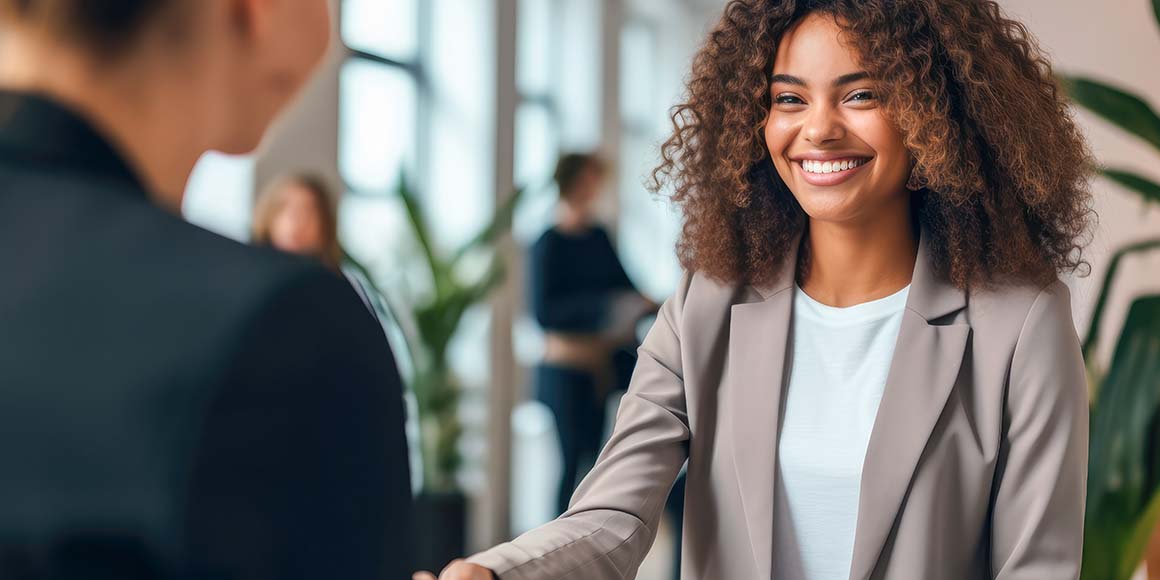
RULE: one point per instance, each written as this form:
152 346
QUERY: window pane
534 45
648 225
637 63
219 196
384 27
459 142
536 151
376 125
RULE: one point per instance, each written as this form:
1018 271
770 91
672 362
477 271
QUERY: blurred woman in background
588 308
298 214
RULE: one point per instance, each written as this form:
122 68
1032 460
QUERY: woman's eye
862 96
787 99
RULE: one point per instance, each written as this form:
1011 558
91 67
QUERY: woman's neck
572 219
128 105
852 264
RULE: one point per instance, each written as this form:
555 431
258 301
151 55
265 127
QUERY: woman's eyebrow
841 80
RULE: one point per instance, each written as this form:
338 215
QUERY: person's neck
572 219
139 109
855 263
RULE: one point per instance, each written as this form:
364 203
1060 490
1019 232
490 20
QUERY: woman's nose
823 124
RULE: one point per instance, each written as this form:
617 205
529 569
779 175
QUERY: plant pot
441 527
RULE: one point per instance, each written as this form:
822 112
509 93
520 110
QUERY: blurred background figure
588 308
298 214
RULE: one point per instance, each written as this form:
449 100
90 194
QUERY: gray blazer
976 466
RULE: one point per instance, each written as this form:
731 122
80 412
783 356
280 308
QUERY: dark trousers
579 412
571 396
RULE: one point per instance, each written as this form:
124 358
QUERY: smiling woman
962 92
870 367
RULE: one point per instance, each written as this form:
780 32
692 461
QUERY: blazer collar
923 371
36 130
931 296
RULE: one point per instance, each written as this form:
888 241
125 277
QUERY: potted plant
1123 499
429 322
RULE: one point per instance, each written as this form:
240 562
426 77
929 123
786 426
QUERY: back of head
166 79
106 27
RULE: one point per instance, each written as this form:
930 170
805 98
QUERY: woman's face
267 53
827 136
297 226
588 187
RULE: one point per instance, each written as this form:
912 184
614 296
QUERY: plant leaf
1138 538
1156 10
1147 188
1121 108
440 274
1124 465
501 222
1093 333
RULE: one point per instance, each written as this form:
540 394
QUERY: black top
573 278
174 404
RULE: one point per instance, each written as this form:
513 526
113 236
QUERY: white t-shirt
840 360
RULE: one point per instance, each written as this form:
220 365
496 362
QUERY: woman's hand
458 570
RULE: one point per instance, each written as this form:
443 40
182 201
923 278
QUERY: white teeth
813 166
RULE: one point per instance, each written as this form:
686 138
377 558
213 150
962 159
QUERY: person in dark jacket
175 405
588 307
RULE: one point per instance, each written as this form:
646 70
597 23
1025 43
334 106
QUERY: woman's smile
831 171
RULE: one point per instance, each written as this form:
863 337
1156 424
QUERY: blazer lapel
756 374
922 373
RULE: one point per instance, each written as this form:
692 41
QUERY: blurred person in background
298 214
871 365
583 299
174 404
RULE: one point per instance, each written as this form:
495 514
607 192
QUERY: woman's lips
827 179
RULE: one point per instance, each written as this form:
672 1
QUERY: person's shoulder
549 235
699 297
1011 301
548 241
216 274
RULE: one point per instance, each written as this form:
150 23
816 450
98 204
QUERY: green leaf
1156 10
1124 460
1093 333
1141 533
501 222
440 272
1117 106
1149 189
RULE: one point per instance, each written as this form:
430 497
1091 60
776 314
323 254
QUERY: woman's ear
250 18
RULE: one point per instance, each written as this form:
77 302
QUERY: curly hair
1004 168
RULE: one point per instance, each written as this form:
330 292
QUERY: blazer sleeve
614 514
301 470
1041 477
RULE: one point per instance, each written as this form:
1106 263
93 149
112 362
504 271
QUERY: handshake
458 570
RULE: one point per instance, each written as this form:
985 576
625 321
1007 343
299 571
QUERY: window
416 100
219 196
648 227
